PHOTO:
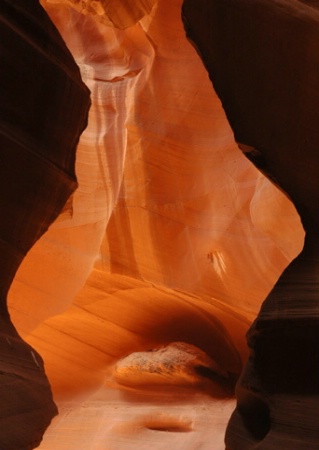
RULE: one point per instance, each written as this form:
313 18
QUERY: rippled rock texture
262 59
43 110
172 235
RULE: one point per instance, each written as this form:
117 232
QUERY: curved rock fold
43 110
262 59
172 235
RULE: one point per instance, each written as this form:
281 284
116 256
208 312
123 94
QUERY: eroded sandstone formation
120 14
171 236
43 108
262 59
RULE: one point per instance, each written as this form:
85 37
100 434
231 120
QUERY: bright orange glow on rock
171 236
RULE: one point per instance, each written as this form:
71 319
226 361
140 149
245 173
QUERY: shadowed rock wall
194 236
263 61
43 110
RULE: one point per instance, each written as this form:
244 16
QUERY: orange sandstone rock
172 235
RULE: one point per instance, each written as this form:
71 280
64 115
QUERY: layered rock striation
171 236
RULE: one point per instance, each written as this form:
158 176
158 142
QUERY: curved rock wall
272 105
43 110
171 236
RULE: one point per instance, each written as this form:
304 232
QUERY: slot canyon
159 199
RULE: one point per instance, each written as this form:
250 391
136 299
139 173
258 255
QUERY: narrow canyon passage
162 231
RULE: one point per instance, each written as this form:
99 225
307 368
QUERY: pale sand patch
125 419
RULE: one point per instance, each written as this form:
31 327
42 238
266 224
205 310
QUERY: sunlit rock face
171 236
120 14
177 363
272 106
114 65
43 110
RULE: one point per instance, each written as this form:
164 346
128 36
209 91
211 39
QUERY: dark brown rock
262 57
43 110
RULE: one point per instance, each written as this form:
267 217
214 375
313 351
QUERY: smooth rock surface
172 235
135 419
272 105
43 110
